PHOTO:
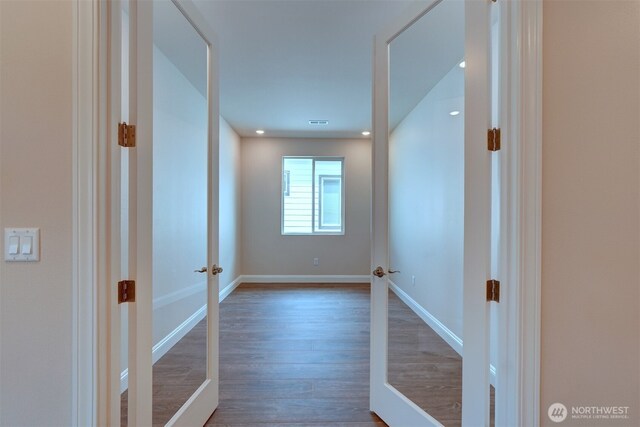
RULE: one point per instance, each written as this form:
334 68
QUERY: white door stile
506 396
213 303
477 214
112 152
140 211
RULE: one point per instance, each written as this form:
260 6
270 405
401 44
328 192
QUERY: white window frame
315 226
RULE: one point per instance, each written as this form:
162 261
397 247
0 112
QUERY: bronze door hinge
493 139
126 291
126 135
493 290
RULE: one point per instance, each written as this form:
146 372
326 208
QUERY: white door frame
518 395
95 391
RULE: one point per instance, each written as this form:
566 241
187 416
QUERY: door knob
379 272
202 270
215 270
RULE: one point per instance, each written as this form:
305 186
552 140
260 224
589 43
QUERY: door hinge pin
493 139
493 290
126 135
126 291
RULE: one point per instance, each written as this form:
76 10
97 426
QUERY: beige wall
590 212
265 251
35 174
230 256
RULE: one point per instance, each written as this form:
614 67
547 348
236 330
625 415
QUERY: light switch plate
23 234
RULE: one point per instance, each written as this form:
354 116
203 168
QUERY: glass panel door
172 218
431 217
179 210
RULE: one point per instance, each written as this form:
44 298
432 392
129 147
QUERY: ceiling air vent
318 122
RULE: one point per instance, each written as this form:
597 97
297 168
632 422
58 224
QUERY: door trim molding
518 395
87 107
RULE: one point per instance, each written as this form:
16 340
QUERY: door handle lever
202 270
379 272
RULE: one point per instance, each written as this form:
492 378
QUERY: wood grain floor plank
298 355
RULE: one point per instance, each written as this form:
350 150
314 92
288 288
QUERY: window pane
312 195
297 197
330 202
328 195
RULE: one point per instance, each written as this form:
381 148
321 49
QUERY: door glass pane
180 176
426 211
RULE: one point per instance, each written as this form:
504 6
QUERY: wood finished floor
298 355
295 355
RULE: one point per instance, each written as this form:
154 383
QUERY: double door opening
435 204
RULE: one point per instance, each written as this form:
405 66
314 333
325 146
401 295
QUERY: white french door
431 245
164 195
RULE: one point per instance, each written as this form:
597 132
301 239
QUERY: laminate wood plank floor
295 355
298 355
423 367
176 376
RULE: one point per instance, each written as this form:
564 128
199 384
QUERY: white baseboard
229 288
312 278
178 333
179 294
445 333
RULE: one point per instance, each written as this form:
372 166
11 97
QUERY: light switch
21 244
26 246
14 242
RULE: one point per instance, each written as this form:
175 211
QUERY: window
312 195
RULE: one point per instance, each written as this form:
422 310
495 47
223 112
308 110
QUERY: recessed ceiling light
462 64
454 113
259 131
366 133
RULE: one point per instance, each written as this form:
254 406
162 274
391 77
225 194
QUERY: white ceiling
285 62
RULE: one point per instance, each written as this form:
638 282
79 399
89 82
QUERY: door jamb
88 105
